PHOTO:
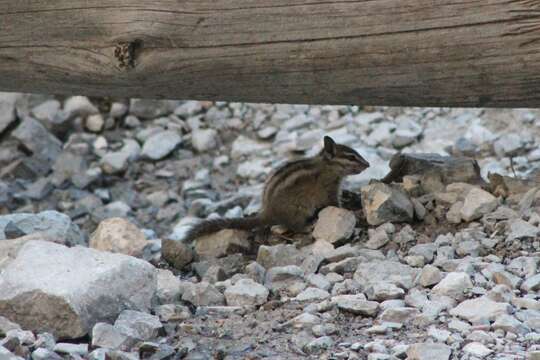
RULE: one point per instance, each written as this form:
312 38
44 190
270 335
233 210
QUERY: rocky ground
433 266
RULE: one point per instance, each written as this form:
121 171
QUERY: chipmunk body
295 192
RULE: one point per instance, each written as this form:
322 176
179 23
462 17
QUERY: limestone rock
334 224
49 287
477 203
159 145
204 139
246 292
480 309
356 304
429 351
118 235
138 325
454 284
383 203
202 294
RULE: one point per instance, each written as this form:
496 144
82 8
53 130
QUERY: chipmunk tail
206 227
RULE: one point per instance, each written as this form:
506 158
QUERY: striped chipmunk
295 192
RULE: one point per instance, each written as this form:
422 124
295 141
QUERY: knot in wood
125 53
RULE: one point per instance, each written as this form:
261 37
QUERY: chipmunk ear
329 147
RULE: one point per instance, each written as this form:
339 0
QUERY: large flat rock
66 291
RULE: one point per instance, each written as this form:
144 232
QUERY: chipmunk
295 192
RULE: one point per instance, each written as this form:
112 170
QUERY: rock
79 106
7 111
278 255
222 243
51 224
68 290
169 287
429 351
520 229
246 292
202 294
159 145
383 203
508 145
36 139
334 224
477 203
115 162
151 109
356 304
95 123
477 349
138 325
287 279
531 284
204 139
245 146
107 336
480 310
45 354
71 349
429 276
509 323
454 284
176 253
5 354
384 291
312 294
372 272
318 345
399 314
377 238
319 281
454 213
118 235
6 325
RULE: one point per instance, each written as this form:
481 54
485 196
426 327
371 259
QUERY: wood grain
377 52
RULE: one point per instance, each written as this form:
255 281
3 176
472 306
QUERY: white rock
245 146
477 203
204 139
389 271
107 336
382 291
520 229
169 287
531 284
246 292
70 289
356 304
79 106
454 284
334 224
138 325
118 235
95 123
480 309
202 294
159 145
429 276
477 349
428 351
312 294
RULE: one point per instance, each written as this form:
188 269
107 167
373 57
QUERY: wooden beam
377 52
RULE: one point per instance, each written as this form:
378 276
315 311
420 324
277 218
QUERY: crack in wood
525 21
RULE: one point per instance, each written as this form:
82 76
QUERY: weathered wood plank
392 52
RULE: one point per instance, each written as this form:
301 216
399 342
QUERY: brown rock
176 253
222 243
118 235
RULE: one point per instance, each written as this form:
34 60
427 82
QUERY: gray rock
477 350
319 281
169 287
204 139
202 294
377 238
356 304
107 336
6 325
53 224
278 255
35 138
7 110
383 203
318 345
67 290
480 310
115 162
159 145
509 323
246 292
531 284
244 146
150 109
312 294
79 106
429 276
508 145
138 325
454 284
390 271
334 224
478 203
71 349
520 229
45 354
399 314
188 108
287 279
429 351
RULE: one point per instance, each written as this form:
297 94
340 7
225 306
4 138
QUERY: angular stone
399 314
478 203
107 336
115 162
278 255
477 350
151 109
382 291
202 294
52 224
429 351
312 294
159 145
138 325
531 284
49 287
35 137
118 235
429 276
169 287
204 139
383 203
385 270
7 110
356 304
480 309
334 224
222 243
246 292
520 229
71 349
176 253
454 284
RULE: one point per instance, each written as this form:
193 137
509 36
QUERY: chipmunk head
343 158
